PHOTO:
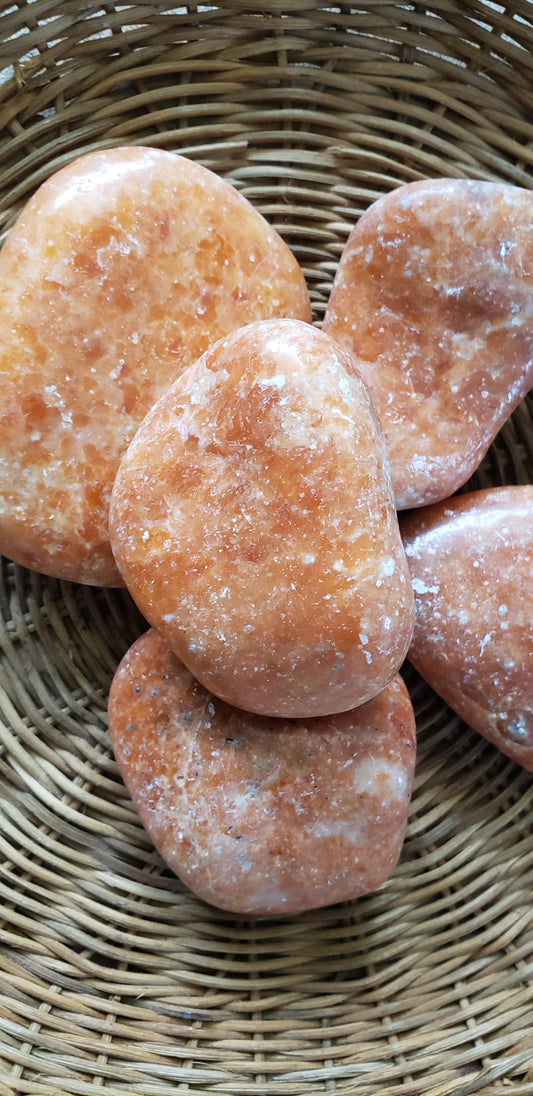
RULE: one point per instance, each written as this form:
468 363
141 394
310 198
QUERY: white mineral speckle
484 641
272 382
371 775
517 729
53 396
419 587
337 828
243 861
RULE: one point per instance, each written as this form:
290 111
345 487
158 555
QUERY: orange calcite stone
262 816
121 270
434 295
253 522
471 561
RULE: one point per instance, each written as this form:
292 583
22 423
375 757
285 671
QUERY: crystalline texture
471 561
121 270
434 296
253 522
262 816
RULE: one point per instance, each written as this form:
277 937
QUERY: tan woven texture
113 978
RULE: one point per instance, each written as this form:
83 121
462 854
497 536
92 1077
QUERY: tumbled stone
121 270
471 561
253 522
262 816
434 295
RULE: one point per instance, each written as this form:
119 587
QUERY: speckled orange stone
262 816
253 522
434 295
471 561
120 271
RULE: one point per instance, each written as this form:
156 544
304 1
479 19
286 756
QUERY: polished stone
262 816
434 296
120 271
253 522
471 562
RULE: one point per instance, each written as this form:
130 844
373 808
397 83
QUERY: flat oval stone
434 296
471 561
253 522
120 271
262 816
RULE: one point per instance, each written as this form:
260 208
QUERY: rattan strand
113 978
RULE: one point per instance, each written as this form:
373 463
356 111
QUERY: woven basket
113 978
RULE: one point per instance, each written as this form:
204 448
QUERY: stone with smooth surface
434 295
253 522
120 271
471 561
262 816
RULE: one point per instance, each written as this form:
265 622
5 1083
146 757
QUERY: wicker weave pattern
113 978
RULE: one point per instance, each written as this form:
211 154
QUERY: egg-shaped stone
253 522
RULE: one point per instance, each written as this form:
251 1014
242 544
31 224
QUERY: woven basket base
113 977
